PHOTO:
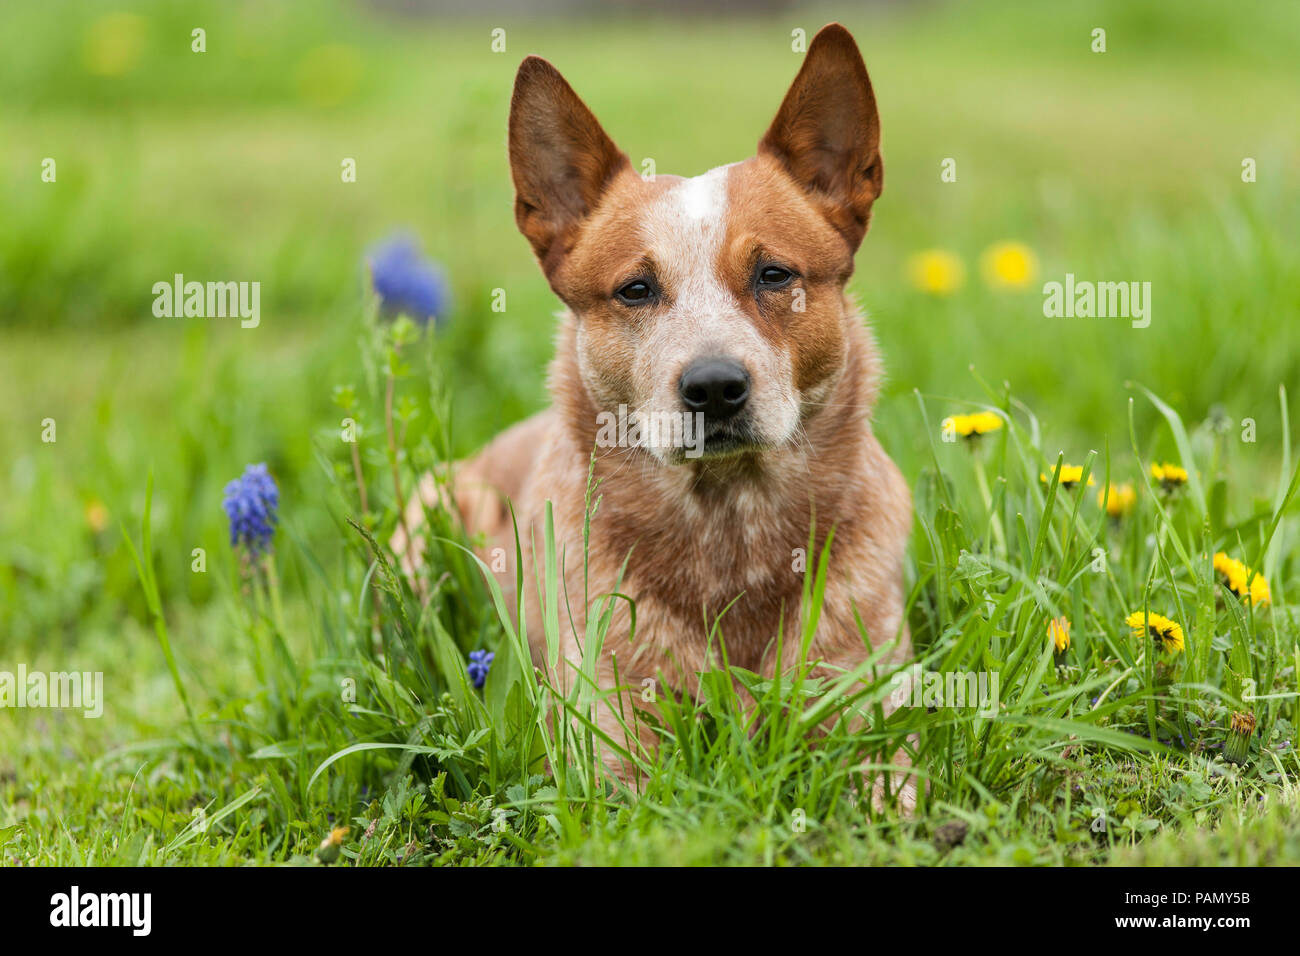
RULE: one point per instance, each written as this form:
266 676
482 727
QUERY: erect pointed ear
560 159
827 133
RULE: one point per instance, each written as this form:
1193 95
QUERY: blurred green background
225 165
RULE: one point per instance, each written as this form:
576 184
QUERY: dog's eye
637 292
774 277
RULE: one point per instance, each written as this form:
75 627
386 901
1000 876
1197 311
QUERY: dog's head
719 296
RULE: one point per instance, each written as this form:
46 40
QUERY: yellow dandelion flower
114 43
1009 265
96 515
1224 564
936 271
1058 631
1259 592
1238 578
972 426
1169 476
1070 476
1168 633
1118 500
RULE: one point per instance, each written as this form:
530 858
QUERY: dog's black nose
716 387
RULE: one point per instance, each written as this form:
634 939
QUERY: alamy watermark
208 300
133 911
1103 300
632 429
959 690
62 690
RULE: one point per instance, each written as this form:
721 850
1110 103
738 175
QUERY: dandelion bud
1240 729
1058 630
329 848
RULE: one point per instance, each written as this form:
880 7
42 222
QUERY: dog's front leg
902 786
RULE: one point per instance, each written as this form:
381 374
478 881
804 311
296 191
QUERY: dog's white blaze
704 197
685 231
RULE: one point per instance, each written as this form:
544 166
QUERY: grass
246 714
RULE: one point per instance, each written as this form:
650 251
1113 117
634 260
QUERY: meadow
254 706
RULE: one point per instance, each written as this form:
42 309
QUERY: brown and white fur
701 533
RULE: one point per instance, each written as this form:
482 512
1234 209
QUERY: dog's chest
736 563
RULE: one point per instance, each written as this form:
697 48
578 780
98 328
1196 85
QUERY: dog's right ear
560 159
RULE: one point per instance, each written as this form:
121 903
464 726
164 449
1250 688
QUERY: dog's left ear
827 133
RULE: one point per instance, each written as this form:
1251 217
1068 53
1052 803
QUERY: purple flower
252 502
480 662
406 282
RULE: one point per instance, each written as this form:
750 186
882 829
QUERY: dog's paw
901 796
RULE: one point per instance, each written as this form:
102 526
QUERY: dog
717 301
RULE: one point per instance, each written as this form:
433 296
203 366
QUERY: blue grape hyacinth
252 503
480 662
406 282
